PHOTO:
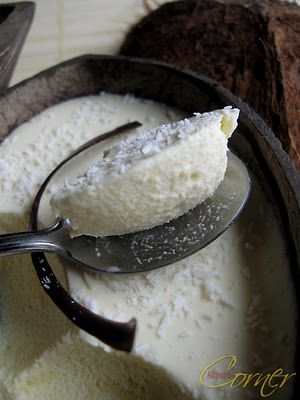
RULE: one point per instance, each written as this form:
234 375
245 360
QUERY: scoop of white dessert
149 178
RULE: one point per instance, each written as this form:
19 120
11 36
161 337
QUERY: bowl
254 142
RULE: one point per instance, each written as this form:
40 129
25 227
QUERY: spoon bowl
164 244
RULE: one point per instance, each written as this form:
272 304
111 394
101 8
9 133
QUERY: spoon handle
34 241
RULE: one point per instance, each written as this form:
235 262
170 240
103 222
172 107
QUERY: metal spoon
139 251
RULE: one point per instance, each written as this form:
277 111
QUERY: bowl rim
282 157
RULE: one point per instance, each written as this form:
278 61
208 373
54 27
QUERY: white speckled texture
149 178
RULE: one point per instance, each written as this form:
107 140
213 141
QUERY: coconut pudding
230 299
149 178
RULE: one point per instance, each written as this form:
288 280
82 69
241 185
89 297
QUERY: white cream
149 178
230 298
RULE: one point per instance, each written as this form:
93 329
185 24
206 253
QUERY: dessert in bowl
221 301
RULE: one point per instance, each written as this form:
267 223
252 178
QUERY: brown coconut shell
251 47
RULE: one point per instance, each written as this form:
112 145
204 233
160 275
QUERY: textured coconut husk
251 47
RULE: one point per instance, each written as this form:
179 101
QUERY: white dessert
234 297
149 178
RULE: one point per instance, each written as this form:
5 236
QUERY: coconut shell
251 47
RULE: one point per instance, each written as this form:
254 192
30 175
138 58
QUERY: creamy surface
149 177
229 299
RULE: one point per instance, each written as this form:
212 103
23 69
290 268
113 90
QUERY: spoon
140 251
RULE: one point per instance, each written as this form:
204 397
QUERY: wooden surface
63 29
66 28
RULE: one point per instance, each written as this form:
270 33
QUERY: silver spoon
140 251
